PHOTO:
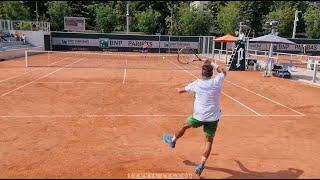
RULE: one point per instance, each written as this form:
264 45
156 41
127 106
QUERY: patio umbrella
225 39
271 39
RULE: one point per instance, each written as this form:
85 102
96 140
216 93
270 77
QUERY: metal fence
6 25
302 67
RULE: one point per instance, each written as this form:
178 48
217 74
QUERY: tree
147 21
293 5
228 18
285 16
106 19
215 7
312 22
57 10
191 21
120 9
85 9
14 10
254 11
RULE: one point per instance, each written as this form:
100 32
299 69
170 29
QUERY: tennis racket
187 55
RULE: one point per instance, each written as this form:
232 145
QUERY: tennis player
206 108
145 47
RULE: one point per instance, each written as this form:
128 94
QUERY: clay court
103 116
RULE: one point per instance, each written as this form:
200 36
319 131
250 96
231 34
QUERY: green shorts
209 128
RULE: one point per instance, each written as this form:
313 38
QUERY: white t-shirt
207 98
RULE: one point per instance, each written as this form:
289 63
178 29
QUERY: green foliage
228 18
191 22
120 9
285 16
223 16
106 19
214 7
312 21
294 5
14 10
254 11
147 21
57 10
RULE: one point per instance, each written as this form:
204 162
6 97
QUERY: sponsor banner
75 42
106 43
74 24
179 45
281 47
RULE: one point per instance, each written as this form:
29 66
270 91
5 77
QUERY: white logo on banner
240 57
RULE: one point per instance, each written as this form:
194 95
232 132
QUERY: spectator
145 46
23 38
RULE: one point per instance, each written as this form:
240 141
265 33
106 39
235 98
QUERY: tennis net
84 59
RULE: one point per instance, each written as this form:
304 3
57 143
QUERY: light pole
127 17
295 23
37 15
171 20
273 24
171 9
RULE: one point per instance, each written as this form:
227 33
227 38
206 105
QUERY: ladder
233 54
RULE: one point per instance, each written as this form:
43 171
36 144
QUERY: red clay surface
107 121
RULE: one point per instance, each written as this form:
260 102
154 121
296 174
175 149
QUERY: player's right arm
189 88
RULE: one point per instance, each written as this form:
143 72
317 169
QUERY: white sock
173 138
203 160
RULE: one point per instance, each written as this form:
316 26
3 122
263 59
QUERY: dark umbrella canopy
270 38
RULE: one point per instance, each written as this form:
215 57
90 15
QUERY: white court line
92 82
30 71
222 92
265 98
39 78
242 104
125 72
69 82
138 115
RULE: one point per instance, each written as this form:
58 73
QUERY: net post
208 44
256 53
159 42
213 46
26 57
226 54
315 66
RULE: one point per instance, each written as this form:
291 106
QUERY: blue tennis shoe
167 139
199 169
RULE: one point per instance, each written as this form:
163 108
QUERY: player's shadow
245 173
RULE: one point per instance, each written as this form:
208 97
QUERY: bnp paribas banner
280 47
114 43
285 47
